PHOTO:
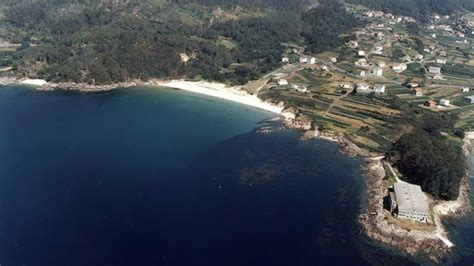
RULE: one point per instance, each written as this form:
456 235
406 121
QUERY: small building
444 102
469 99
406 58
346 86
299 88
184 57
430 104
377 71
288 115
412 85
362 74
437 76
441 61
378 49
361 62
333 60
379 88
362 88
307 59
434 70
353 44
465 89
285 59
409 202
361 53
282 82
381 64
419 57
400 67
418 92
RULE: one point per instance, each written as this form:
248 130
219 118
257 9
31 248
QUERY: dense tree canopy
417 8
432 163
425 156
106 41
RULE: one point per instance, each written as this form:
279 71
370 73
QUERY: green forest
420 9
425 157
231 41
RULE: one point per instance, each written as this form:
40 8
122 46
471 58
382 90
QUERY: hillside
420 9
233 41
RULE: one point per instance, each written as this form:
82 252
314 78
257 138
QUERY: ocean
155 176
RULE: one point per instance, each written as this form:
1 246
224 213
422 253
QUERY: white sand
34 82
218 90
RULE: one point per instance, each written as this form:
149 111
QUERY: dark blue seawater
164 177
462 231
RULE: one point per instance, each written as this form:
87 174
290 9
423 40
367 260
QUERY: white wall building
434 70
362 88
377 71
379 88
409 202
444 102
400 67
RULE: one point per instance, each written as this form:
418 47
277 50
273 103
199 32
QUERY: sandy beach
213 89
219 90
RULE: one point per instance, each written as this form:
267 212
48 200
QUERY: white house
362 88
333 60
307 59
299 88
441 61
434 70
285 59
408 201
400 67
361 53
419 57
288 115
377 71
361 62
418 92
381 64
346 85
282 82
353 44
444 102
378 49
362 74
465 89
406 58
184 57
379 88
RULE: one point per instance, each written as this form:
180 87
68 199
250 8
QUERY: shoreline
212 89
433 244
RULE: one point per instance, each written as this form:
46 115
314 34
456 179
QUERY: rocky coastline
372 222
433 245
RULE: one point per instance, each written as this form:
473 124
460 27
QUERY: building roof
410 198
470 98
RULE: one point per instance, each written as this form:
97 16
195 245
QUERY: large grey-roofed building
469 99
411 202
